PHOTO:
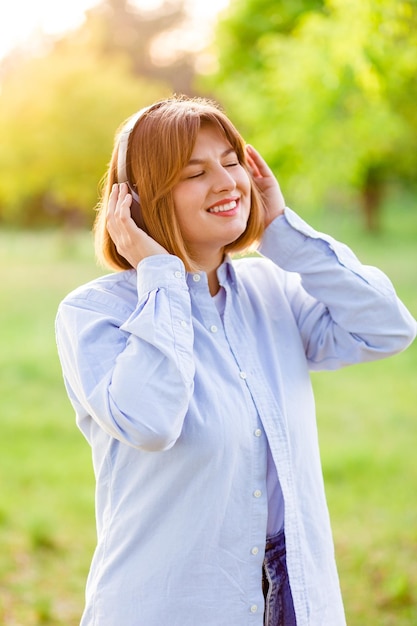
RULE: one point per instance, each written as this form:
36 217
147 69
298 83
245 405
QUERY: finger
260 163
252 166
117 211
122 190
255 158
251 162
124 201
111 223
111 205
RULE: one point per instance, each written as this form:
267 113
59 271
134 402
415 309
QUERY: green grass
368 430
367 418
46 510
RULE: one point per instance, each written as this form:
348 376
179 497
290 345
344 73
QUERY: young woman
189 375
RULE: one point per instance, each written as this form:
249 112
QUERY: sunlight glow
22 20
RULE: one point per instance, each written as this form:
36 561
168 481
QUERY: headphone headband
124 137
122 176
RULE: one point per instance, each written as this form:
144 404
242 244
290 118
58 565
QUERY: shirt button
258 432
257 493
255 550
177 274
196 278
183 323
213 328
243 375
253 608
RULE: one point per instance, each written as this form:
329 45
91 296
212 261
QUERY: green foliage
61 103
330 100
249 22
58 115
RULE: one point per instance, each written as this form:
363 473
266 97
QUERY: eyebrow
200 161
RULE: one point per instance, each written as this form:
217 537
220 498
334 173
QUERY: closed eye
202 172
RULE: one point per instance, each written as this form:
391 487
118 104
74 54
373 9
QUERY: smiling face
212 198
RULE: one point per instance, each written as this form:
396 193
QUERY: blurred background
327 91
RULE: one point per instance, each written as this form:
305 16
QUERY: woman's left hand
267 184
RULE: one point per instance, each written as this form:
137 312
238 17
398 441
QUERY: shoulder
262 279
258 269
115 292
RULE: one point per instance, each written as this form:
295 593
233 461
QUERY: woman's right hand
131 242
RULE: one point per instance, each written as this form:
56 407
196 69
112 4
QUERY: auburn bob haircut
159 147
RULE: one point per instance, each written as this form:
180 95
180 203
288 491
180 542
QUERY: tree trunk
372 195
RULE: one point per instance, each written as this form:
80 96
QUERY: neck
213 282
210 266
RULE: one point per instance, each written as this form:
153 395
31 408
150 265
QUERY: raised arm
346 312
127 354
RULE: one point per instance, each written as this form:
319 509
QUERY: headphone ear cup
136 212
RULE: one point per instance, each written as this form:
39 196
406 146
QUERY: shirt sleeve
132 371
346 312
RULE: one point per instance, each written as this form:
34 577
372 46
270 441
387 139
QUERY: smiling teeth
223 207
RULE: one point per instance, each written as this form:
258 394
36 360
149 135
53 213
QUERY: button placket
258 495
252 550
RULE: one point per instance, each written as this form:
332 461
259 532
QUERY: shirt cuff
288 236
160 271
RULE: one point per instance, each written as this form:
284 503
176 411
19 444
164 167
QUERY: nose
223 179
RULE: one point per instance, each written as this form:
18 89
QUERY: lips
223 207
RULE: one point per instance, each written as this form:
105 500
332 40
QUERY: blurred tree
248 22
58 115
61 102
119 26
327 90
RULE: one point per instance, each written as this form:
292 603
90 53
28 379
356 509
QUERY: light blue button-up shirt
179 406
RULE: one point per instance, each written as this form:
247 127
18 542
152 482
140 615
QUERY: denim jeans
279 607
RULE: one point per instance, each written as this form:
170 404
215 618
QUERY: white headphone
122 176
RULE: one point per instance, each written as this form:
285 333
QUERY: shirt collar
225 273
